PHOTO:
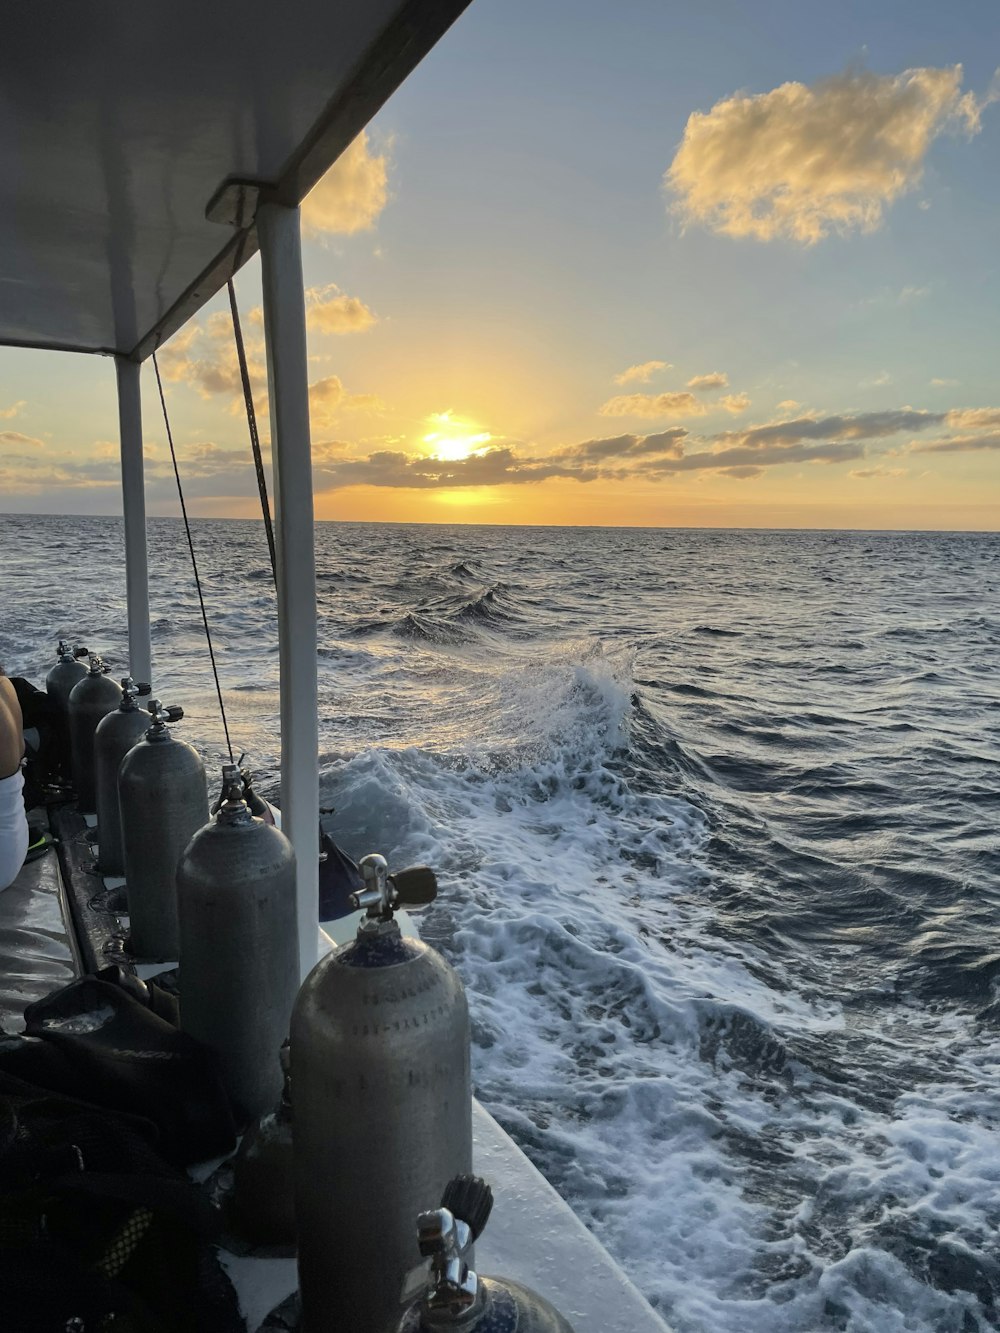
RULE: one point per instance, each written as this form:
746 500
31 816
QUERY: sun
454 439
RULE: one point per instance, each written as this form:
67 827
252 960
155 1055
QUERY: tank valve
98 666
451 1296
132 691
445 1236
161 716
383 893
232 807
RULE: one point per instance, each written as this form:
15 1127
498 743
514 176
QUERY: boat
148 154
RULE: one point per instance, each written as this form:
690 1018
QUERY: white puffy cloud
351 195
799 162
703 383
642 373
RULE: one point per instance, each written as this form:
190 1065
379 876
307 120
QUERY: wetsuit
13 821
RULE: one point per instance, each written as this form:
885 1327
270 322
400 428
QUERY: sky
634 264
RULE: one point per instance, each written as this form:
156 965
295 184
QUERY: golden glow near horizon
450 442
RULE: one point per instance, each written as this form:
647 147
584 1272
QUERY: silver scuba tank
67 672
454 1298
261 1208
239 946
91 699
116 733
163 800
381 1104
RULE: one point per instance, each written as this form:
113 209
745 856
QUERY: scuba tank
239 946
163 799
382 1104
116 733
457 1300
67 672
90 699
261 1208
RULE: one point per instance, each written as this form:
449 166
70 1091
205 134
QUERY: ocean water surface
715 817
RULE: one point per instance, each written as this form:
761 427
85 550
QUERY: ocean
715 819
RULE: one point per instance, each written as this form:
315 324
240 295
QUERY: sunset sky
638 263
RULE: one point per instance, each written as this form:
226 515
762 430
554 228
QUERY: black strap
252 427
194 562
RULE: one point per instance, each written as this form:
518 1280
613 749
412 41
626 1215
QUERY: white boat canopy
120 123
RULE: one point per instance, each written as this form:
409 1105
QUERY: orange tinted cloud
351 195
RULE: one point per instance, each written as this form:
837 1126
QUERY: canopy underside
120 123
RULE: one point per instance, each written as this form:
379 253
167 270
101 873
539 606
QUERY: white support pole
134 511
288 391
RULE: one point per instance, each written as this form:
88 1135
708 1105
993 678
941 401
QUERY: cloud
799 162
203 355
351 195
491 467
702 383
643 373
876 381
327 397
845 426
743 473
788 405
868 472
960 444
653 405
8 413
15 437
735 403
973 418
629 446
909 294
328 310
944 384
742 457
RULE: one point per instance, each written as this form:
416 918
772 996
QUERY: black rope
194 562
252 426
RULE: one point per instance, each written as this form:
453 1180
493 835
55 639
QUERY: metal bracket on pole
288 391
134 512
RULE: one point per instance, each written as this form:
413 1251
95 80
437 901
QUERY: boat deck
533 1236
37 948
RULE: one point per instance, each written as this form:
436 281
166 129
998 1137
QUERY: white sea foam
637 1061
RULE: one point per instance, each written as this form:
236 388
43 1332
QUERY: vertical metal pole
288 391
134 511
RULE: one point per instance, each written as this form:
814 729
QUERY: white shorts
13 828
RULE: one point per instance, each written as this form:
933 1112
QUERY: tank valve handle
383 893
445 1236
161 716
416 886
79 650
